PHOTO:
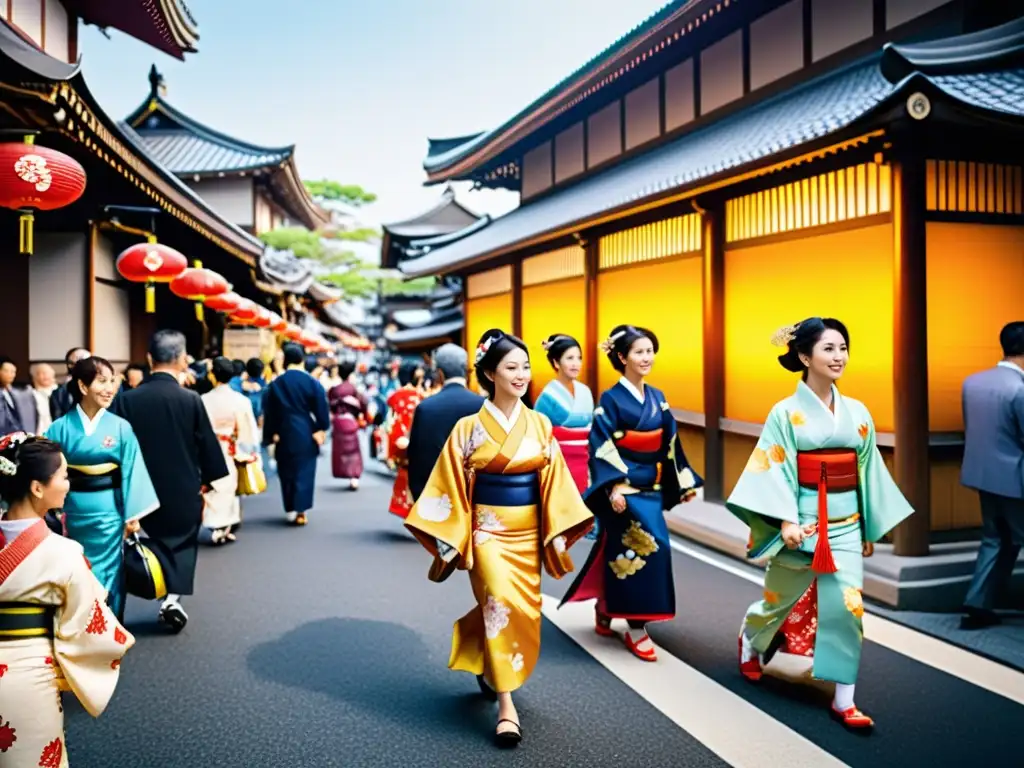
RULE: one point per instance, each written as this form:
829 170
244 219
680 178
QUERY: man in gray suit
993 403
17 406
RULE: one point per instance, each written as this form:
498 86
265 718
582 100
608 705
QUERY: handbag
145 563
252 480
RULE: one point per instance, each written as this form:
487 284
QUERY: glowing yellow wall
975 279
556 307
847 275
484 313
667 298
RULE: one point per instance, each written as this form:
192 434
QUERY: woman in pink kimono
348 417
56 632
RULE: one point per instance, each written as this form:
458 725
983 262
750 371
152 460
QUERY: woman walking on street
348 417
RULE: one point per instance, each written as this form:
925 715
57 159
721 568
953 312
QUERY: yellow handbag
252 480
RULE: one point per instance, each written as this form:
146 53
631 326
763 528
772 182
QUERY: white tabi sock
172 599
844 696
636 635
291 516
748 649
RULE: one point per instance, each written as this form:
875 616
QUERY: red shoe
648 655
851 718
749 669
603 625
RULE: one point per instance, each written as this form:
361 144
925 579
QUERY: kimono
56 634
571 413
401 405
348 409
497 502
110 485
796 474
633 443
233 422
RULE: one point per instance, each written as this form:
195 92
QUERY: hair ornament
784 335
14 438
8 467
608 344
546 344
484 347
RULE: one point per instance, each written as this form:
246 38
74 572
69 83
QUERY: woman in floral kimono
816 495
110 487
231 416
56 632
637 470
499 503
348 416
401 405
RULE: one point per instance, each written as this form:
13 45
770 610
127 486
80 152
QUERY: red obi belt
640 442
826 470
571 434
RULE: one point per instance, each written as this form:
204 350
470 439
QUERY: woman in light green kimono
816 469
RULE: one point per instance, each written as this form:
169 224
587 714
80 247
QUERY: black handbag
145 563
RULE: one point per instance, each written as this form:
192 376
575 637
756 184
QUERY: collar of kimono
633 390
89 425
807 395
507 424
15 553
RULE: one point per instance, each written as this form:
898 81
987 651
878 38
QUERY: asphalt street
327 646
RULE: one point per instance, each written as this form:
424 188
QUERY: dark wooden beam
745 57
14 297
713 243
910 351
90 288
517 298
808 38
592 332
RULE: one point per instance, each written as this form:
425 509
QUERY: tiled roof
810 113
446 215
425 332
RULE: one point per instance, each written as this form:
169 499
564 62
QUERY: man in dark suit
435 417
993 403
60 399
17 406
183 457
295 422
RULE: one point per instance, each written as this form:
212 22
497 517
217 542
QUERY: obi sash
496 490
93 478
642 449
826 470
21 620
571 435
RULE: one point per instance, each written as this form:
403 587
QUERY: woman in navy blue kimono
110 487
637 471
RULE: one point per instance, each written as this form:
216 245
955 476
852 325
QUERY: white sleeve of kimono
88 640
247 443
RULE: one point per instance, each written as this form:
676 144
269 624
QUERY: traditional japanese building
68 291
732 166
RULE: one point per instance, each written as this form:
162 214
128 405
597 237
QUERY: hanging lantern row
227 302
198 284
150 263
34 178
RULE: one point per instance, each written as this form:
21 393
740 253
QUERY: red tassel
3 541
823 561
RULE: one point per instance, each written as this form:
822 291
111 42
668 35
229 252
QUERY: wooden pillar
14 298
90 288
910 352
517 298
592 337
713 270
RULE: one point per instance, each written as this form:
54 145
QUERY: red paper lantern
197 284
263 318
150 263
308 339
224 302
37 178
293 332
277 323
246 313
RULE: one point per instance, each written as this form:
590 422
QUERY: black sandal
508 738
489 693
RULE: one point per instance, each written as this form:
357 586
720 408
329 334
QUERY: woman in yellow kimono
56 632
500 502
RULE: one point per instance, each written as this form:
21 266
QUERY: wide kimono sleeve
321 413
247 438
563 513
271 414
88 640
548 405
212 465
765 496
607 469
678 480
137 490
883 506
444 511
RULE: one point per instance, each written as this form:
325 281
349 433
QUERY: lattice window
547 267
850 193
648 242
966 187
489 283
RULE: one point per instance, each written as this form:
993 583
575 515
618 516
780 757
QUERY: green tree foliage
298 240
352 194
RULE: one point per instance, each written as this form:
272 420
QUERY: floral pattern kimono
633 443
232 419
497 502
401 405
820 469
56 634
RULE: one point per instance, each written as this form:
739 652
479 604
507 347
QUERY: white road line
735 730
993 677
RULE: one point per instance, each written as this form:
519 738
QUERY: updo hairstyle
24 461
557 345
804 336
85 372
621 340
494 344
